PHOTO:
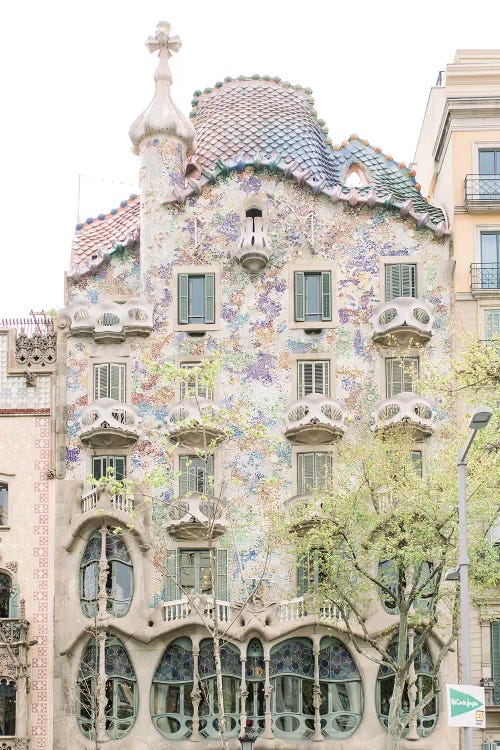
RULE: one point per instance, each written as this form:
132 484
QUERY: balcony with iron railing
485 279
402 321
482 193
253 246
314 419
108 321
195 423
108 423
196 517
406 409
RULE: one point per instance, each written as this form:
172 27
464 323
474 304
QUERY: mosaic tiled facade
197 204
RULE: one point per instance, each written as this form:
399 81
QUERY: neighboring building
27 364
311 269
458 162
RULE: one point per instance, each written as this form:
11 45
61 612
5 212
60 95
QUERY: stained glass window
171 701
255 672
231 677
121 693
427 719
291 670
119 577
341 691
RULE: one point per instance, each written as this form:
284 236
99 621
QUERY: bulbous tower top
162 117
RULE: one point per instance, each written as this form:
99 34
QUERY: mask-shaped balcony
253 247
108 321
303 511
402 321
314 419
108 423
195 423
196 517
406 409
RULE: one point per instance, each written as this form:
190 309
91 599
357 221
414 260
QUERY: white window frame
305 448
196 271
123 377
187 364
389 260
393 356
478 146
190 463
315 364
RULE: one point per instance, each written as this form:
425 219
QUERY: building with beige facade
27 367
458 163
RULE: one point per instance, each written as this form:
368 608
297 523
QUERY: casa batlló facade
307 269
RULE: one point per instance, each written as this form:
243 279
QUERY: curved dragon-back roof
267 124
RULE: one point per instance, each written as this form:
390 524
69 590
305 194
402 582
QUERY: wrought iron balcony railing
402 320
482 191
485 277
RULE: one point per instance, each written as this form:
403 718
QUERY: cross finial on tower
162 39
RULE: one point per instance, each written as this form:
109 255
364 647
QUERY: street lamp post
479 419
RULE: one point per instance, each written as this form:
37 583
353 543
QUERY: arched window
355 176
121 692
119 577
255 672
427 719
7 708
8 596
4 504
292 672
341 691
171 702
231 674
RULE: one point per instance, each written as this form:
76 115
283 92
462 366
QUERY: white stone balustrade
181 609
99 498
195 422
109 321
196 516
300 607
253 247
406 408
402 320
109 423
314 419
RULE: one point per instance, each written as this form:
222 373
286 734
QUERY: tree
384 531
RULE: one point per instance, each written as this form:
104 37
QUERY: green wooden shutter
171 591
101 381
326 295
408 280
222 589
117 374
302 576
392 281
299 295
209 298
183 294
305 472
118 464
98 466
14 602
495 659
322 378
492 324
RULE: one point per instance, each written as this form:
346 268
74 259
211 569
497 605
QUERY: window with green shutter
400 280
491 324
401 374
196 474
105 466
313 471
417 462
196 298
109 381
313 296
189 572
310 573
313 376
495 660
194 384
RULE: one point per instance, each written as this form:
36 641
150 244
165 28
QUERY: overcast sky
75 76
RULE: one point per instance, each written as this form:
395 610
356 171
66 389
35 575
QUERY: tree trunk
394 725
216 644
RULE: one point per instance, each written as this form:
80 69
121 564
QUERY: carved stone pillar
268 732
196 695
103 575
243 696
316 698
412 689
101 688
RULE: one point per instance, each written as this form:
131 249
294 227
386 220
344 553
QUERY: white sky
75 76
